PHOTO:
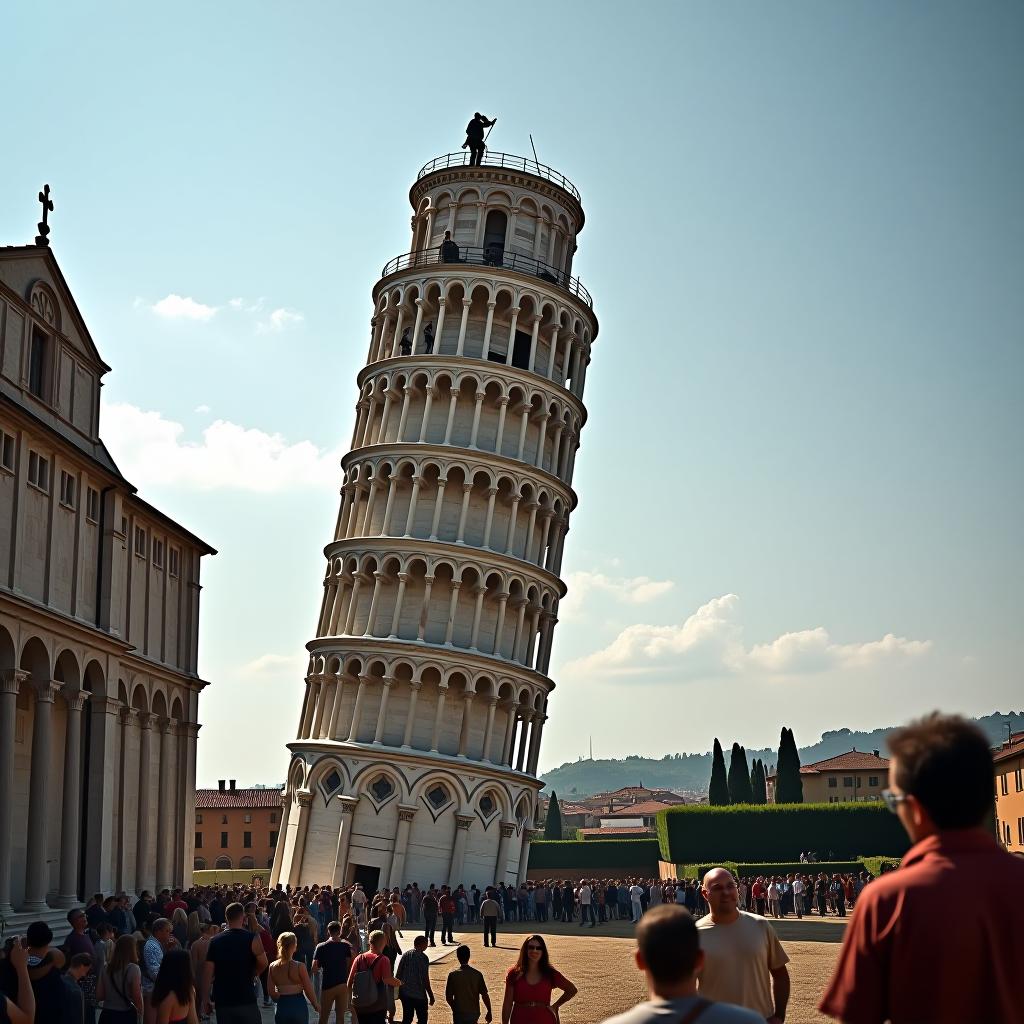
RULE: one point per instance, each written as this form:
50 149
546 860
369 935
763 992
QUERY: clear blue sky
805 238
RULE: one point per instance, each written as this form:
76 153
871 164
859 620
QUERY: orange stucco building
236 828
1009 765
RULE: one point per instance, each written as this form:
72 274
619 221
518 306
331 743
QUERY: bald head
722 894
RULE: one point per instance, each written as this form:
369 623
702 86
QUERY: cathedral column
10 683
489 522
379 579
452 607
512 333
410 518
124 721
442 308
384 415
480 591
389 505
305 801
485 753
567 449
382 714
555 442
552 353
397 337
520 607
190 730
417 325
530 524
462 824
535 734
502 411
357 710
438 503
410 718
323 699
406 814
404 418
541 438
534 627
502 605
275 871
425 607
510 536
453 401
71 810
371 497
353 603
37 875
480 396
524 854
143 845
339 696
521 756
531 366
348 809
466 303
564 375
501 863
312 685
467 710
166 809
487 329
467 489
363 408
510 731
524 422
442 692
426 415
396 618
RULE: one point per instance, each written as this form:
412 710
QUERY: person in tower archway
475 138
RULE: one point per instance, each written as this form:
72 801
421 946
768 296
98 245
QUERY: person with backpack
369 982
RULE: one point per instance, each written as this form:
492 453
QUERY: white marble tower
427 688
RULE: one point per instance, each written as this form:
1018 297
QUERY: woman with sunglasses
528 987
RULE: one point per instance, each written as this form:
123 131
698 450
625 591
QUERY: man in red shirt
447 908
938 940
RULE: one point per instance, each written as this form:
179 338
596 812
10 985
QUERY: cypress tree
753 781
553 824
739 776
789 787
718 790
782 771
796 782
761 790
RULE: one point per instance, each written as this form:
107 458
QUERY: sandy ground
599 962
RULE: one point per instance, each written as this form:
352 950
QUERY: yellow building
847 778
1009 763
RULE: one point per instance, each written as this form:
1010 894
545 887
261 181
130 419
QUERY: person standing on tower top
475 138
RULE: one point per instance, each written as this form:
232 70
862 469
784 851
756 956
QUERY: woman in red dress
528 987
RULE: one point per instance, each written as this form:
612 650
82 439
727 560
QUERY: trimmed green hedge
697 833
228 876
586 854
831 867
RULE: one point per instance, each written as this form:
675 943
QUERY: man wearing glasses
744 962
906 956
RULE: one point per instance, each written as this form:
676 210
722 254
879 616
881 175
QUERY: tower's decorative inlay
427 691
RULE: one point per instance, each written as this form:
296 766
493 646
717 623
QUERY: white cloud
582 586
179 307
153 450
709 643
201 409
273 663
280 320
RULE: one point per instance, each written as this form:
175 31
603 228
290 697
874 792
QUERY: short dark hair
945 762
462 954
38 934
668 941
334 928
420 942
234 911
81 960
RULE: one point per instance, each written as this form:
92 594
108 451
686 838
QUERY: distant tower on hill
427 688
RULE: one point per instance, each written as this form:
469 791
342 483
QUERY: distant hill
692 771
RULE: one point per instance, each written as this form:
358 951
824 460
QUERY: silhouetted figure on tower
475 138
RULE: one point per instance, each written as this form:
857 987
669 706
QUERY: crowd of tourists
707 950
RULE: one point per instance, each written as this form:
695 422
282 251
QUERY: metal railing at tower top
491 256
513 163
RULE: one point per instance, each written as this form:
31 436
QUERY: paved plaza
599 962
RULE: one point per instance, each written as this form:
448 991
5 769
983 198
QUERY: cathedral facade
99 623
427 687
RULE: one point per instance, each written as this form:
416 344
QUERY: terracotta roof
637 831
640 809
209 799
1007 752
574 809
852 760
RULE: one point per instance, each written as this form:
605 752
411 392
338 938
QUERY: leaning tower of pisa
427 688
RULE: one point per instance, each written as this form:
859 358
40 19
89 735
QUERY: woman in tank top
120 985
174 995
289 984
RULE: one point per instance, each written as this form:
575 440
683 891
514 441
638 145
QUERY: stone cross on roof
44 228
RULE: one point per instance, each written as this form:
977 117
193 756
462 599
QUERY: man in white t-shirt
798 896
774 897
668 952
586 895
359 902
636 895
744 962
